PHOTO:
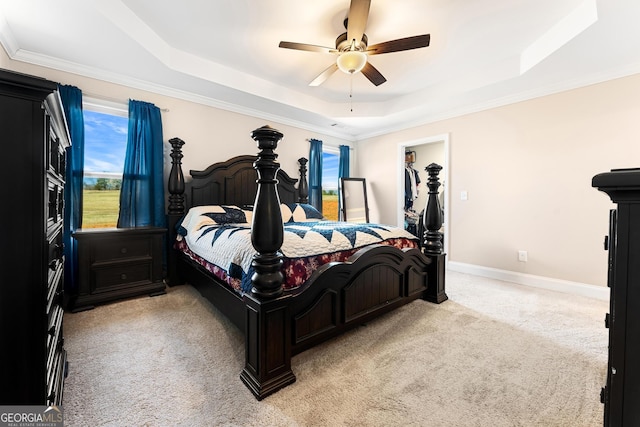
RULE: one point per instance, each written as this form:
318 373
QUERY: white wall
527 168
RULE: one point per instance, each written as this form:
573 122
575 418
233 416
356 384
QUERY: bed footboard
341 296
337 297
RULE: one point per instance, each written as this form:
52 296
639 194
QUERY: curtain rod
114 100
330 145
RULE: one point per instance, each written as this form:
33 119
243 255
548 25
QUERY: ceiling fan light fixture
351 61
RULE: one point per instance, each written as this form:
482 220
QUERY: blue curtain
142 191
315 174
343 166
343 172
71 98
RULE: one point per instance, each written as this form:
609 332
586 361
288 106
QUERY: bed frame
278 324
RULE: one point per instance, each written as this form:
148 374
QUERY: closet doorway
434 149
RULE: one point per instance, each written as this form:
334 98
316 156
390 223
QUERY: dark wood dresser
117 263
621 394
34 140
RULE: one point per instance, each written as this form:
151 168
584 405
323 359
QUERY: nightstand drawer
119 248
108 278
117 263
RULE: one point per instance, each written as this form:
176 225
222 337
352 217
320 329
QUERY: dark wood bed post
303 187
176 208
432 246
267 229
268 325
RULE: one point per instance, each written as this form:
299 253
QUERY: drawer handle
123 250
123 276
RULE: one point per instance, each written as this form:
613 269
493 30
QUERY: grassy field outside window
330 206
100 208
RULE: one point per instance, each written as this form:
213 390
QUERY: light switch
464 195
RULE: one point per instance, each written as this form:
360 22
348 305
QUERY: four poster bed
281 316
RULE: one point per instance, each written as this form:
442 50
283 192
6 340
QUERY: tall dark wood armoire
621 394
34 142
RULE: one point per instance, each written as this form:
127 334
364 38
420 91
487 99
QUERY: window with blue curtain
343 171
315 173
71 98
142 191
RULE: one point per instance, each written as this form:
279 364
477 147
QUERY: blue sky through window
330 171
105 145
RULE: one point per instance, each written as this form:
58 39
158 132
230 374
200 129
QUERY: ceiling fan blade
324 75
398 45
373 74
307 47
357 20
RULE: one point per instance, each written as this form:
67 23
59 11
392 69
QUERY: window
330 160
104 151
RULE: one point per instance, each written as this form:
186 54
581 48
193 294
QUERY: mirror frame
343 197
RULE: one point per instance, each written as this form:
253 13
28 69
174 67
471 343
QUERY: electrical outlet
522 256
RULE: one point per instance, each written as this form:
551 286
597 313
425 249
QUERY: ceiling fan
352 47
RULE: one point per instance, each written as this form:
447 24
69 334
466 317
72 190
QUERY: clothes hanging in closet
411 181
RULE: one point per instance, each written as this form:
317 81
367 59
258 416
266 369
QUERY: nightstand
117 263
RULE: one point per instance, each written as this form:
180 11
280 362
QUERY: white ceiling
225 53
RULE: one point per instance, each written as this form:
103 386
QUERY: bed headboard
233 182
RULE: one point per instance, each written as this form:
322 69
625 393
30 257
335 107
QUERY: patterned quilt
221 236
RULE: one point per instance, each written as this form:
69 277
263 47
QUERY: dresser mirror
353 193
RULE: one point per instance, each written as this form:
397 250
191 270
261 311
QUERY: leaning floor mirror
354 200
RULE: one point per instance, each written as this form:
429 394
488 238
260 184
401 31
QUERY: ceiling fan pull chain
351 92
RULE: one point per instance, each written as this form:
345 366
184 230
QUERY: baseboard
558 285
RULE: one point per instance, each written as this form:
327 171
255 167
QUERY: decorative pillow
226 214
200 216
299 212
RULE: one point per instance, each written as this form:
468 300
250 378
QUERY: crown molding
334 131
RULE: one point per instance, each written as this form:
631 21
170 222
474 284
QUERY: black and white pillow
202 216
222 214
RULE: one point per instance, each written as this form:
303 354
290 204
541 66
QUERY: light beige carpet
495 354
